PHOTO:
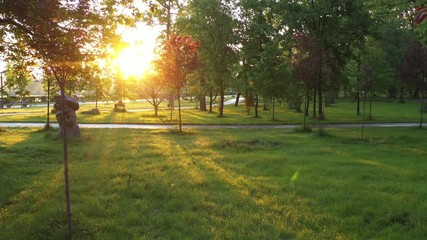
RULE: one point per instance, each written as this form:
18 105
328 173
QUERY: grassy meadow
216 184
344 111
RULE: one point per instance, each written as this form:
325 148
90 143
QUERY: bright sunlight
136 59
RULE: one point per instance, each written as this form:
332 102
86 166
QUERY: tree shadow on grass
220 195
32 173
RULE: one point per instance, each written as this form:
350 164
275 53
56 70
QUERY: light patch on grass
37 195
49 188
372 163
228 176
9 137
294 177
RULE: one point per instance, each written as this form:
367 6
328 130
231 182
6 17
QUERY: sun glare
136 59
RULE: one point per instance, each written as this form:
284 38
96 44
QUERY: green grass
142 112
216 184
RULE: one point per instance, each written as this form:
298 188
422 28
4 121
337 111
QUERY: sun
136 59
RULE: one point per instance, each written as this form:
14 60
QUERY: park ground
141 112
216 184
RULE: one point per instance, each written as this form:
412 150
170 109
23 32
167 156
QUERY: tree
422 32
47 81
199 85
151 88
394 29
395 41
165 13
119 90
19 73
264 67
96 79
210 22
178 58
375 72
304 61
63 34
413 71
273 73
336 27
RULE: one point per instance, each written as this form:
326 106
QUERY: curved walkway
232 126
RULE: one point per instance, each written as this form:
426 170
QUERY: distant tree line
303 53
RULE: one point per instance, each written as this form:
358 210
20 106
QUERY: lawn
344 111
216 184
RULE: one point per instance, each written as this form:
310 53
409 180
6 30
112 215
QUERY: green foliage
326 34
152 89
160 12
18 74
422 32
97 81
211 23
375 70
64 34
265 70
395 41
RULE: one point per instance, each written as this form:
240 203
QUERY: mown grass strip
216 184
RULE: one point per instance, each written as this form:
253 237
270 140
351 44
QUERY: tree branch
7 21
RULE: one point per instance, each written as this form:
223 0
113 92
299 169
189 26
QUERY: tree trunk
156 109
202 102
422 111
326 101
306 109
256 105
331 99
96 101
171 105
265 105
179 112
358 81
363 115
320 95
221 104
48 105
320 104
416 93
273 106
236 104
211 100
402 90
392 92
314 104
358 103
320 85
249 102
307 104
370 106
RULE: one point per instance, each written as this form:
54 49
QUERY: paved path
233 126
